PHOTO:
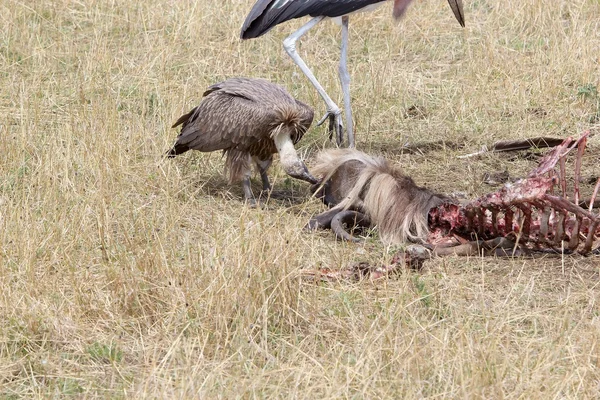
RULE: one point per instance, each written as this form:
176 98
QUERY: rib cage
528 211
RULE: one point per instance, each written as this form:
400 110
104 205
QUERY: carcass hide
534 214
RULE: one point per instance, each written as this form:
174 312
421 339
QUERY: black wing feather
266 14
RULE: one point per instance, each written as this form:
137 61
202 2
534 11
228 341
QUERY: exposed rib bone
594 195
563 178
587 247
580 150
574 242
536 216
559 232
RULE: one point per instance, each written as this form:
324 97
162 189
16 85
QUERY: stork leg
345 81
334 114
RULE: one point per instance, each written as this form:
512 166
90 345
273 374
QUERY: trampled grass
125 275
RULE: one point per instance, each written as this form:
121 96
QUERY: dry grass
126 275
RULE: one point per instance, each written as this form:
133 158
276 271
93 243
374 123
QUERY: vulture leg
263 166
239 165
248 195
345 81
267 189
333 113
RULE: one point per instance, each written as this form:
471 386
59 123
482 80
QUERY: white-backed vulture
250 120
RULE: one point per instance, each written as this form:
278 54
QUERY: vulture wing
239 113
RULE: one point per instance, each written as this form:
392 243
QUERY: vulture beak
400 7
299 171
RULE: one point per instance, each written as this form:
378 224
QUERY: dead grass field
124 275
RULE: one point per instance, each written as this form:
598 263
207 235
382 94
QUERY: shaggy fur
392 201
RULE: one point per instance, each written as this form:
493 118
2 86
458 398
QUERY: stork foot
336 127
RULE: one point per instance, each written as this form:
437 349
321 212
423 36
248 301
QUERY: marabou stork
265 14
250 120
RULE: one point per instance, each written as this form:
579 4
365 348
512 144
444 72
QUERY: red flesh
526 211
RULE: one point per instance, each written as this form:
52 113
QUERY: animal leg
248 195
352 219
333 111
322 221
499 246
415 255
345 81
239 166
267 189
263 166
323 192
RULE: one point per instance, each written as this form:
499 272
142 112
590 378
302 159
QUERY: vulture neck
290 161
286 150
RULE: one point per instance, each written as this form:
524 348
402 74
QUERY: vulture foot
252 203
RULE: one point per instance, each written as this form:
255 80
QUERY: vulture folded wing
238 113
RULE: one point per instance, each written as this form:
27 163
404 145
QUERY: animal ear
400 7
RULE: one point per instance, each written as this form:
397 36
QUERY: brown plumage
353 180
250 120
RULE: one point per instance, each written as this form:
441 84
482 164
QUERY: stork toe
336 127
